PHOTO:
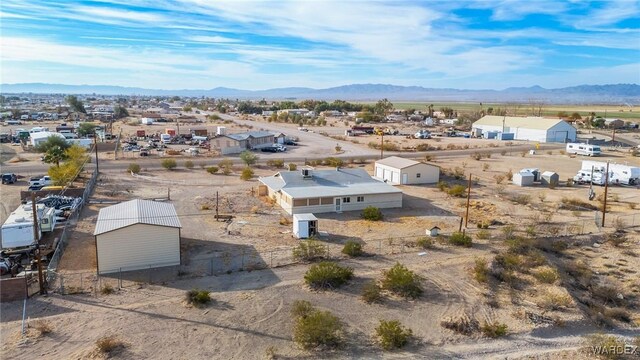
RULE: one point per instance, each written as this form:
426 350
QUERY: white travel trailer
583 149
17 230
618 173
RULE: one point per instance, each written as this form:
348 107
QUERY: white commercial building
525 128
137 234
400 171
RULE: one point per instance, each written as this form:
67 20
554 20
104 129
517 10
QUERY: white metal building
304 225
527 128
39 137
400 171
137 234
323 191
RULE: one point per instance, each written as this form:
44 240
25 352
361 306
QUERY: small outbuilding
524 178
550 178
304 225
137 234
400 171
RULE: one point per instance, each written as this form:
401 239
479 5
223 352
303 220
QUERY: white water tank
221 130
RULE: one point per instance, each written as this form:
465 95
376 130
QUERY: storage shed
523 178
400 171
137 234
525 128
304 225
550 178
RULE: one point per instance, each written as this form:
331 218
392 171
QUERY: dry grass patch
546 274
43 327
464 325
109 345
554 299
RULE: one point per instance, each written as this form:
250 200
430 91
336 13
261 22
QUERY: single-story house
137 234
39 137
322 191
400 171
237 143
525 128
614 123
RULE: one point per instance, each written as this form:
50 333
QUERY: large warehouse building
525 128
137 234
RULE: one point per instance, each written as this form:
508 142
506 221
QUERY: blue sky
202 44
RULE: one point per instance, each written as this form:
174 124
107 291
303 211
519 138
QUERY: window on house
299 202
360 199
418 175
314 201
346 200
326 201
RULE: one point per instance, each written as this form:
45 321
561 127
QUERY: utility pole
382 146
95 146
466 218
606 187
216 206
34 209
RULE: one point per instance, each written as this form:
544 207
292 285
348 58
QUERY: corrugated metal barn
137 234
527 128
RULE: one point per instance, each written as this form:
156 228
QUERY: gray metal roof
248 134
136 212
398 162
537 123
342 182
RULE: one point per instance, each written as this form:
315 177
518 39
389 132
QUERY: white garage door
379 172
395 177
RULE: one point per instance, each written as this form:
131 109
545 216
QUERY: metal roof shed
550 178
523 178
400 171
137 234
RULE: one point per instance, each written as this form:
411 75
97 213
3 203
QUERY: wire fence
61 243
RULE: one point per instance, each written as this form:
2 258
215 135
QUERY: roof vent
307 172
20 219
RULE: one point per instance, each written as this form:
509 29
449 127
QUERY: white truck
165 138
40 181
584 177
583 149
17 230
618 173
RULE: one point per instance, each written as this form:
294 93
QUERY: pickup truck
9 178
40 181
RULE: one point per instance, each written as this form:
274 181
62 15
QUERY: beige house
237 143
321 191
400 171
137 234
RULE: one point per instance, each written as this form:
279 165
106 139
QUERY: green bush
392 335
333 161
169 164
318 328
188 164
546 275
326 275
293 167
481 270
402 281
247 174
425 242
134 168
371 292
248 157
197 297
309 250
212 169
301 308
277 163
352 248
372 213
457 191
460 239
494 330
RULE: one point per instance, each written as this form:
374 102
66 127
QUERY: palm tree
54 155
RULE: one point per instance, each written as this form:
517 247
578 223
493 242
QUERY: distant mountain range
582 94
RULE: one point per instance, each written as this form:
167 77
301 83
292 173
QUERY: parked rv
583 149
618 173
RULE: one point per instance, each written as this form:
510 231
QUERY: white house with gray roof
237 143
322 191
526 128
137 234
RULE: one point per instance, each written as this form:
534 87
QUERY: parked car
272 149
290 142
9 178
40 181
280 147
144 152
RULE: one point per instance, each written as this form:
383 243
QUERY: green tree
86 128
51 142
76 105
383 107
248 157
54 155
120 112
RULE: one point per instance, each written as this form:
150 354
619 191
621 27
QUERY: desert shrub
326 275
428 157
134 168
499 178
352 248
247 173
555 300
392 335
402 281
372 213
457 191
509 175
109 344
107 290
333 161
226 165
458 173
371 292
508 261
188 164
576 204
205 207
309 250
600 345
547 275
483 234
212 169
301 308
197 297
616 238
169 164
508 231
248 157
485 167
277 163
608 293
476 156
43 326
425 242
521 199
620 314
293 167
442 185
494 330
481 270
464 325
317 328
460 239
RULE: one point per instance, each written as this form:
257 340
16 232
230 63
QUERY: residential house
237 143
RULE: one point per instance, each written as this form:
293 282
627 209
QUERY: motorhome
18 230
618 173
583 149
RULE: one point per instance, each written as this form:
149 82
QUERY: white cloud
212 39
